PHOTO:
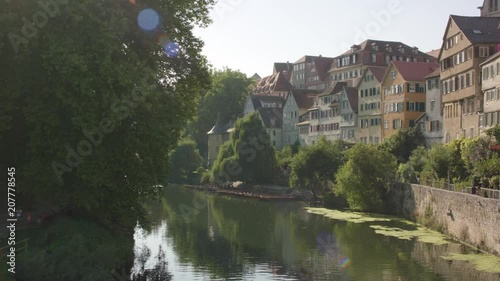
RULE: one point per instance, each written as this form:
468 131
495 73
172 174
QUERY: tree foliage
366 177
226 98
91 103
314 167
494 132
438 163
403 142
247 156
185 162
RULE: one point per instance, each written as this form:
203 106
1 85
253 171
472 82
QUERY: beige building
369 127
298 103
491 91
431 124
467 42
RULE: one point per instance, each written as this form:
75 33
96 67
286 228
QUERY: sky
250 35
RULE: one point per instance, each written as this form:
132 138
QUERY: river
212 237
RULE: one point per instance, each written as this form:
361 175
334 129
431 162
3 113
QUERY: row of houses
377 87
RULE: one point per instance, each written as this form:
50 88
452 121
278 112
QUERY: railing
486 192
24 247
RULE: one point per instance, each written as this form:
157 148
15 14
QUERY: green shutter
407 106
408 87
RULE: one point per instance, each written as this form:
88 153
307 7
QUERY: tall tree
226 98
314 167
403 142
247 156
366 177
95 97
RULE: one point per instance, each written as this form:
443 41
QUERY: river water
213 237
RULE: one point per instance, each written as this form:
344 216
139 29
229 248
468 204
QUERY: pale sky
250 35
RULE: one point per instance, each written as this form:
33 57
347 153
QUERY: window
397 123
477 31
394 73
484 52
433 105
386 125
374 57
411 88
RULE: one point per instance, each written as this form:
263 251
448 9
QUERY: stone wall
465 217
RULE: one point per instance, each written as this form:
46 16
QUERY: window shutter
437 125
408 87
407 106
492 50
476 52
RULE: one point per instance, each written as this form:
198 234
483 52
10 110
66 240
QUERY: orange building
403 99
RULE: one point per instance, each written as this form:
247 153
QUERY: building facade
431 124
216 138
468 42
348 114
369 127
311 72
350 66
491 93
297 104
404 98
490 8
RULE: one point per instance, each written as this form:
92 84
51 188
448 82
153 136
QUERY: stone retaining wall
467 218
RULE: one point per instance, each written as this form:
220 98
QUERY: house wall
215 141
465 217
405 115
457 121
372 134
291 113
491 93
347 127
330 135
433 94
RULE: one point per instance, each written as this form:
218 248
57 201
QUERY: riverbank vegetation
363 174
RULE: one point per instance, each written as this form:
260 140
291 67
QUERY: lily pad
354 217
482 262
421 233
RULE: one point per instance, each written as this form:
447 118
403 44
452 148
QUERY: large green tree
95 97
314 167
366 177
403 142
225 98
247 156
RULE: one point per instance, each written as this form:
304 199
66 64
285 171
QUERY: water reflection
210 237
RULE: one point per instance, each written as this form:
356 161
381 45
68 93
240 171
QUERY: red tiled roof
323 65
275 82
304 98
434 53
435 73
378 72
415 71
352 96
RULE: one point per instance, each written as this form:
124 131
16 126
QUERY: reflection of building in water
211 223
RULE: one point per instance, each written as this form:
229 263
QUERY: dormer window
388 48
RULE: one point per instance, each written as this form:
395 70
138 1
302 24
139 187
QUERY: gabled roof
269 114
487 27
434 53
256 77
275 82
333 89
414 71
323 65
303 97
378 72
352 96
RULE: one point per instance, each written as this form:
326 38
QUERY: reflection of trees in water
158 273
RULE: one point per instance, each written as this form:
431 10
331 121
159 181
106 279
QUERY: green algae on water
482 262
421 233
354 217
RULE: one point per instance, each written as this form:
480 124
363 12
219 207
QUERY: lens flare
345 263
171 49
148 19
